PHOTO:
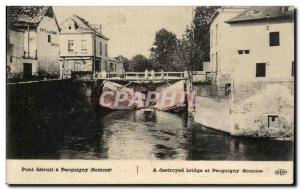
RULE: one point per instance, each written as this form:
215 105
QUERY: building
32 41
83 47
221 43
252 60
256 42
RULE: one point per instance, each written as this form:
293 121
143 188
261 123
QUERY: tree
183 53
162 52
139 63
199 35
123 60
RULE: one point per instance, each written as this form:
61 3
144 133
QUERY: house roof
83 25
226 8
263 13
26 15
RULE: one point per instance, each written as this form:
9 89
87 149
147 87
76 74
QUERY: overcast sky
131 30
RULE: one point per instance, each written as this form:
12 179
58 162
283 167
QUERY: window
240 52
274 39
260 69
273 121
100 48
97 65
83 45
70 45
106 50
49 38
106 66
227 89
70 27
293 68
111 67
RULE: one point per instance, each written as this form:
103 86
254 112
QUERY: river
59 126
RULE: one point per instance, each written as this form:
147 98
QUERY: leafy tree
199 35
139 63
182 56
163 50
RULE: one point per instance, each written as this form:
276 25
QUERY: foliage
199 34
170 53
163 50
139 63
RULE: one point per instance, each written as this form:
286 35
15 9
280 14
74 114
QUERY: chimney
97 28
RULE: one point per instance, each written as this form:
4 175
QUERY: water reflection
59 121
143 134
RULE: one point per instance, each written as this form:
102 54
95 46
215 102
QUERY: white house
253 44
83 47
32 41
252 57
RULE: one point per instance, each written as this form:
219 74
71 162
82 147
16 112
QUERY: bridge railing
142 75
135 75
197 75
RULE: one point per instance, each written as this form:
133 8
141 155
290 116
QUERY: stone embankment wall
263 109
260 109
213 113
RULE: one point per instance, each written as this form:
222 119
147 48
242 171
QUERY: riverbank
213 113
262 114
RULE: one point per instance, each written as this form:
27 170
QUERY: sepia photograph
150 83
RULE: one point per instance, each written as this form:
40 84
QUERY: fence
20 77
201 76
142 75
198 76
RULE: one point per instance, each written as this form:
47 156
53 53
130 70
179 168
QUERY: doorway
27 70
227 89
97 65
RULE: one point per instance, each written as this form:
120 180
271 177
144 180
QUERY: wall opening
27 70
227 89
260 69
274 38
273 121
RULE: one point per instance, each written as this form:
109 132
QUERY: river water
50 128
137 135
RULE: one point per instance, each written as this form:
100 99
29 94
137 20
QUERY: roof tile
26 14
261 13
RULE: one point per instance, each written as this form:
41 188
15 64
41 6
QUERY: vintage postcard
150 95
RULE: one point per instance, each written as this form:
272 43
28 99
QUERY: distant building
83 47
32 41
253 44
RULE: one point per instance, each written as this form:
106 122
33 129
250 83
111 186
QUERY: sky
131 30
